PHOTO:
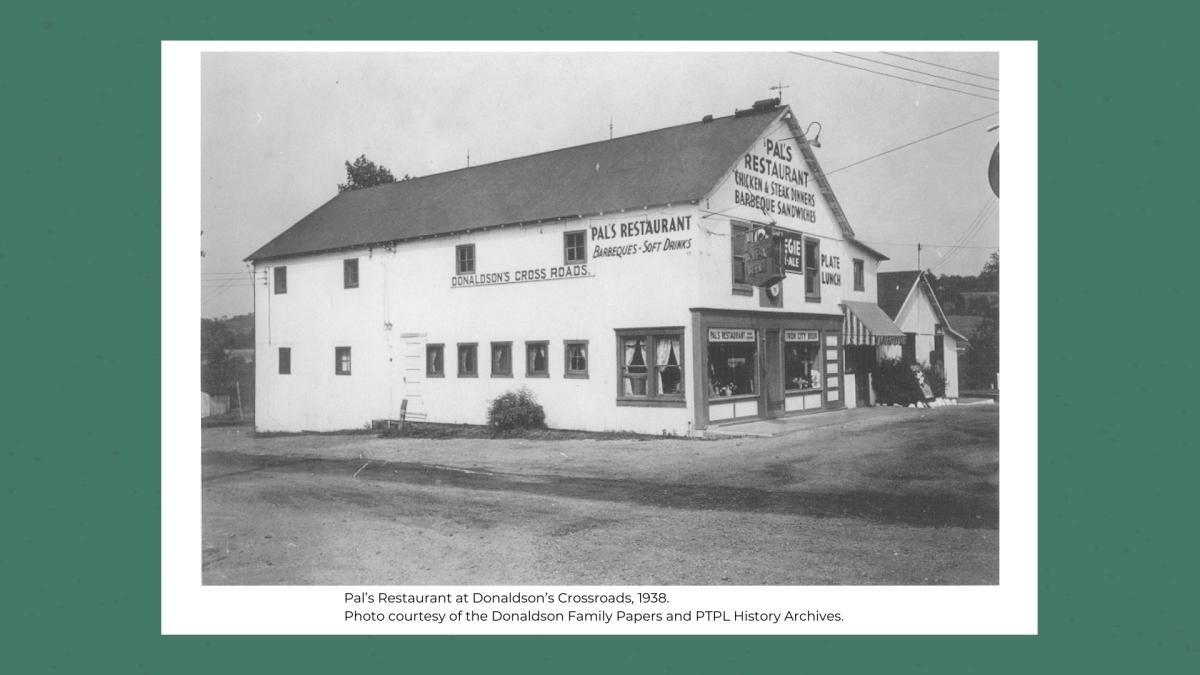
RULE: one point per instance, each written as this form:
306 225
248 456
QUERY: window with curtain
651 366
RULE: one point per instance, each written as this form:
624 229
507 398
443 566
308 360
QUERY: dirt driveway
878 496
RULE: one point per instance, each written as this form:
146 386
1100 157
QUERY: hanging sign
764 259
731 335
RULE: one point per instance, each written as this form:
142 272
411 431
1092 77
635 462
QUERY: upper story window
350 273
737 248
537 359
285 360
860 279
574 247
341 360
575 358
501 359
435 363
464 259
812 269
281 280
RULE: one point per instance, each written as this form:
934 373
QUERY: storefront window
801 360
731 362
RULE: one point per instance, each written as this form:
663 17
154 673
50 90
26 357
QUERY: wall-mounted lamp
816 141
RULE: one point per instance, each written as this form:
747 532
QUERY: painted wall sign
829 274
520 276
607 232
801 336
772 184
731 335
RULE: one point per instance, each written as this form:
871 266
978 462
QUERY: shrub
937 381
516 410
894 383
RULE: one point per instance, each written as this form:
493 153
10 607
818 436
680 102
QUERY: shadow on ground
932 509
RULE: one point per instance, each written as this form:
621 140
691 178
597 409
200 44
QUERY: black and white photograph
600 318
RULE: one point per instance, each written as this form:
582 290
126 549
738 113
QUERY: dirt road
885 496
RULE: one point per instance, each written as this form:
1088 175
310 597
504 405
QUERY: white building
612 279
929 339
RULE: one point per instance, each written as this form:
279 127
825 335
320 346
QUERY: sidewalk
787 425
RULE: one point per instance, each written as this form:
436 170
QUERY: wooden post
238 383
403 412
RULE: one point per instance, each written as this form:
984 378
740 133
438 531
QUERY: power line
938 65
919 140
970 233
906 79
919 72
913 243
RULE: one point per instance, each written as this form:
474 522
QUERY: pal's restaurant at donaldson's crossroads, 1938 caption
601 608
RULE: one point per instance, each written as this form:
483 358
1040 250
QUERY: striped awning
865 323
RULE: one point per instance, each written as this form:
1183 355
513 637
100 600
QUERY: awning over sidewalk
865 323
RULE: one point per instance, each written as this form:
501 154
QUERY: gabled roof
675 165
895 288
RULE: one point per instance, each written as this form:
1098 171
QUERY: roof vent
707 118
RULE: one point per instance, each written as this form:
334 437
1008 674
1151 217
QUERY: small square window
464 259
435 365
468 362
285 360
501 359
280 280
537 359
350 273
341 360
575 358
575 247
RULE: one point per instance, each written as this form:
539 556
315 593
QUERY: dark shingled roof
893 288
666 166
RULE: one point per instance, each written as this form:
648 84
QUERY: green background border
79 271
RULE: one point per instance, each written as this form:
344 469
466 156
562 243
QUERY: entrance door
860 360
772 374
413 373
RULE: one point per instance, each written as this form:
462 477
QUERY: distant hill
241 329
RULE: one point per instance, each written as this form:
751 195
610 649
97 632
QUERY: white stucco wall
411 286
645 268
773 173
919 316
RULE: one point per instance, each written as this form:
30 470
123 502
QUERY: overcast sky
277 127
